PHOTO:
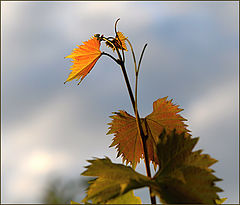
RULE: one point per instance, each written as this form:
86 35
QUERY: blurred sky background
50 129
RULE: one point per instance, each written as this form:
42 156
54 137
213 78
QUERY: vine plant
182 176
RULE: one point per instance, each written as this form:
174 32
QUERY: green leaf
184 176
112 180
127 198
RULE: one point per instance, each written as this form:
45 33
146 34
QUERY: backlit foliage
127 139
119 41
183 175
84 58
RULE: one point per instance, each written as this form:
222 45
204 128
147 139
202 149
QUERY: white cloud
30 175
80 19
40 162
27 148
8 12
217 103
29 162
42 144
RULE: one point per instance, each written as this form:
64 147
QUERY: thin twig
119 39
139 63
133 54
137 74
103 53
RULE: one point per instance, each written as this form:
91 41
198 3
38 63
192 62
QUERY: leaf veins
113 181
84 58
127 139
184 176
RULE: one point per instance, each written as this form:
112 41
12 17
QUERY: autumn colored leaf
127 140
113 180
184 176
119 44
84 58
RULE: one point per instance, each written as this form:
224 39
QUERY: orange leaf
119 44
127 140
122 38
84 58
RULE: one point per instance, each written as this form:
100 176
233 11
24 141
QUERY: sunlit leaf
127 140
119 42
221 201
112 180
73 202
128 198
184 176
84 58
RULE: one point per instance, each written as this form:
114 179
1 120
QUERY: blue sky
49 128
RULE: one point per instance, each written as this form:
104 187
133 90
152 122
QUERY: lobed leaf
127 140
84 58
113 180
184 176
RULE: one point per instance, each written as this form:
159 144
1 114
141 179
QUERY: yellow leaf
119 42
122 39
127 198
84 58
73 202
220 201
112 180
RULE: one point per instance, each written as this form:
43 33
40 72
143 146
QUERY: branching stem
121 62
103 53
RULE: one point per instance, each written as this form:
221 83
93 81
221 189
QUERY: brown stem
140 130
119 39
121 62
103 53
